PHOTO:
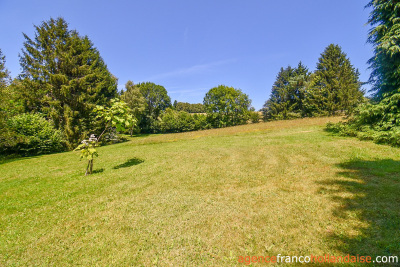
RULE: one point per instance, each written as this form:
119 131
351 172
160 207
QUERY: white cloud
191 70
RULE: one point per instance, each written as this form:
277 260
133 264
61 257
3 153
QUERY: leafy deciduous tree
4 73
227 106
117 116
135 100
156 100
191 108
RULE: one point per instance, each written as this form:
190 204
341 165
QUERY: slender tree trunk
91 166
87 168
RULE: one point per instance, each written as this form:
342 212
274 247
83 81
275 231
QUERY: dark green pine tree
64 77
287 95
379 121
335 86
385 36
297 87
275 107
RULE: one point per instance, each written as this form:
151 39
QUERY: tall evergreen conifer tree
380 121
385 36
287 95
335 86
64 77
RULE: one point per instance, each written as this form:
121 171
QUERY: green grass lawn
204 198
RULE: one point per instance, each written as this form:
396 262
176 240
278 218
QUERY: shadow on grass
98 171
10 158
129 163
374 187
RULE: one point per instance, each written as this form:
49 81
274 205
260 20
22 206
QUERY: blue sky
191 46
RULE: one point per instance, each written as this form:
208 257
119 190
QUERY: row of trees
223 105
64 79
333 88
190 108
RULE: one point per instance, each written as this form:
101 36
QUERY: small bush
31 134
255 117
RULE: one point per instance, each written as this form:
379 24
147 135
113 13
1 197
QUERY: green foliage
226 106
156 101
135 100
191 108
118 116
88 148
255 116
30 134
384 36
89 152
9 139
287 95
64 77
4 73
173 121
9 104
379 122
10 101
334 87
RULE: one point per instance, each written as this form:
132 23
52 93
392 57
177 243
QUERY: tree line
188 107
49 106
333 88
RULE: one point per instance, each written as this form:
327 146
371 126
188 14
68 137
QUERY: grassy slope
204 198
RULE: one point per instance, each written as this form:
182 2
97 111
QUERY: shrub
31 134
201 122
379 122
255 117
